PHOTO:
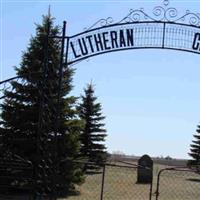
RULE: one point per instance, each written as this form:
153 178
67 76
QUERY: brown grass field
120 184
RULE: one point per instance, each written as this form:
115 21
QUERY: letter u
83 47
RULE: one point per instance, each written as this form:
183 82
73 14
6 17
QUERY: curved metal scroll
164 28
163 13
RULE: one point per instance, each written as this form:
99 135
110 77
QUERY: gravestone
145 170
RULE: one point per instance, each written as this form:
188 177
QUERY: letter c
196 42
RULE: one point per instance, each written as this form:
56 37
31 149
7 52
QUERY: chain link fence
112 182
178 184
121 184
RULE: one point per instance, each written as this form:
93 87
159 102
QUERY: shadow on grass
194 180
15 195
93 172
138 183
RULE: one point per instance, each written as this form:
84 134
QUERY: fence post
150 193
103 179
158 183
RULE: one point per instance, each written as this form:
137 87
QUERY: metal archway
163 29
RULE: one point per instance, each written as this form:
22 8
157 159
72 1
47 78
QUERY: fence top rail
135 165
178 169
124 164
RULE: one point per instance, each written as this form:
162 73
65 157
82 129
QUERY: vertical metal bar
103 180
150 193
60 84
58 109
67 51
163 39
158 183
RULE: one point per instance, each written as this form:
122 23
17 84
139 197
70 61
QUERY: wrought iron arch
164 28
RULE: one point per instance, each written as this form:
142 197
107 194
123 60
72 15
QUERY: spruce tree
21 106
195 150
93 134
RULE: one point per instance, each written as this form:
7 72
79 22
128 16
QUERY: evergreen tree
93 134
21 107
195 150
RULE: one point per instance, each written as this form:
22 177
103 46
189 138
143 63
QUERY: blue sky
151 98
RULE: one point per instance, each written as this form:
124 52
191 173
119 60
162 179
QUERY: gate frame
178 169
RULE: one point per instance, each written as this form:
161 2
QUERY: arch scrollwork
159 13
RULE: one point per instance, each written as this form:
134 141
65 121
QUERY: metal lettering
74 52
98 42
113 35
105 40
83 46
122 41
196 42
130 37
90 42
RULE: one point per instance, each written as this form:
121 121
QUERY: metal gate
120 183
112 182
178 184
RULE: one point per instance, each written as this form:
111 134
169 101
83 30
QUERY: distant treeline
162 161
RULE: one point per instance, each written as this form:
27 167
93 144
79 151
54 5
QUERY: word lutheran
103 41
